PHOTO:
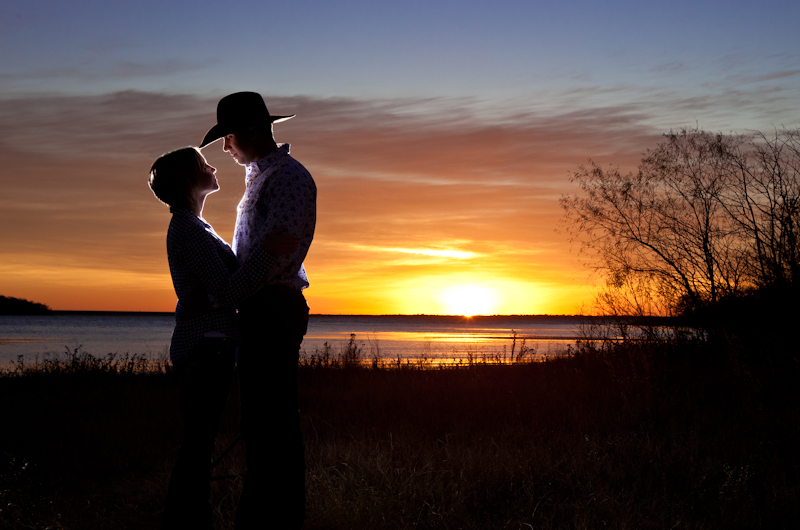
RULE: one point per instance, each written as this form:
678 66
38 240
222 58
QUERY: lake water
441 339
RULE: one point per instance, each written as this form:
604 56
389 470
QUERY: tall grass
78 361
351 354
659 434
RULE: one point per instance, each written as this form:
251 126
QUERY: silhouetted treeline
19 306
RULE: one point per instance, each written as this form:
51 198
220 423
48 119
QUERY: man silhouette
279 193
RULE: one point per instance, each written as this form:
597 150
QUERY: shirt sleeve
202 256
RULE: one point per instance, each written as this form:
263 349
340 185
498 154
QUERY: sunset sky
441 135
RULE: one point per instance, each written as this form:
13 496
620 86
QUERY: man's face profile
240 145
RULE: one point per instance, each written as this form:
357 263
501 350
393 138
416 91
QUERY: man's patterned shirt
279 192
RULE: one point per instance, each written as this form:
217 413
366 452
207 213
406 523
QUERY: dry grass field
630 436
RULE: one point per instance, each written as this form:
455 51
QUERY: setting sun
469 300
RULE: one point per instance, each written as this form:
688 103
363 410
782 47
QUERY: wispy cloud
105 44
407 189
775 75
97 70
439 253
403 194
670 68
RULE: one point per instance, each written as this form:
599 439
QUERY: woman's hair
172 175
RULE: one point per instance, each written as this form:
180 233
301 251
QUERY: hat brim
218 131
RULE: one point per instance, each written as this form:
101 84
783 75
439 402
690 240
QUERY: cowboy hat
239 110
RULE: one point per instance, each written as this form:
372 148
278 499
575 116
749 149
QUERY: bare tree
764 199
705 217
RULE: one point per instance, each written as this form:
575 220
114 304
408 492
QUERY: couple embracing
239 306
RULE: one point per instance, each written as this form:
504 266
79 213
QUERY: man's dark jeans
273 325
206 375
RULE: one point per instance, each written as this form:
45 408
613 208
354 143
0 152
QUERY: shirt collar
179 210
186 212
260 166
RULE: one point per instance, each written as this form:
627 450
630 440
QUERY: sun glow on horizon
469 300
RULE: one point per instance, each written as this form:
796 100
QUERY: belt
269 292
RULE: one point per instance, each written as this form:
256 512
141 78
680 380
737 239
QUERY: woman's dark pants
206 375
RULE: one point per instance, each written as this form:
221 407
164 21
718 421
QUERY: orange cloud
416 198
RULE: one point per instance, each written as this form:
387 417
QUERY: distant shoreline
404 316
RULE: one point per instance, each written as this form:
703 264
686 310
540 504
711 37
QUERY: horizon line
496 315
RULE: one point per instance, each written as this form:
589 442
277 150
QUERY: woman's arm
204 255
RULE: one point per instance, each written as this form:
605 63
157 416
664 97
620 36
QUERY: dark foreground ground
656 436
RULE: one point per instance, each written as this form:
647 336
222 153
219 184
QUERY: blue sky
715 62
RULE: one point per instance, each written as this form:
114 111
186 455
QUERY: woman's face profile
206 179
